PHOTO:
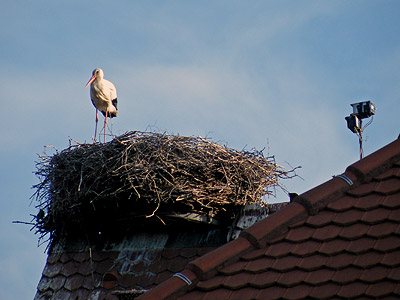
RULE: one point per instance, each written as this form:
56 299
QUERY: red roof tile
326 233
352 290
319 276
242 293
237 281
285 264
74 282
306 248
388 244
313 262
260 265
348 217
262 280
333 247
340 261
394 274
329 291
216 281
272 292
292 278
300 234
234 268
361 245
297 292
334 241
322 219
354 231
82 275
348 275
375 274
281 249
380 289
217 294
69 268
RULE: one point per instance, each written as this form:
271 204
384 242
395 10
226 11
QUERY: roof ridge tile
274 225
234 268
319 197
255 254
208 262
170 287
376 162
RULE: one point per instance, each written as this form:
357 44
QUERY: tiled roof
77 275
80 270
340 240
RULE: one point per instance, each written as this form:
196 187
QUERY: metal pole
360 139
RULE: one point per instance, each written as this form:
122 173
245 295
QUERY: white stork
104 97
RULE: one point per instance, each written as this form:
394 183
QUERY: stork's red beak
90 80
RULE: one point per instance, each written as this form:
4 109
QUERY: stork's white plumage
104 97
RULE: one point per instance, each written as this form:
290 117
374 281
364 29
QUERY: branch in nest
140 169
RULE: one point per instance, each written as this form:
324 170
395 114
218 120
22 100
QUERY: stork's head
96 74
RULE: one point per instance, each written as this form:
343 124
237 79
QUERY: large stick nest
147 174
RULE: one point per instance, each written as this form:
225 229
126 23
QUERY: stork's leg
95 128
105 125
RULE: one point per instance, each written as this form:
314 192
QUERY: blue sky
279 75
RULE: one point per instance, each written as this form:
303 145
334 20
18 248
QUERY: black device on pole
361 110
